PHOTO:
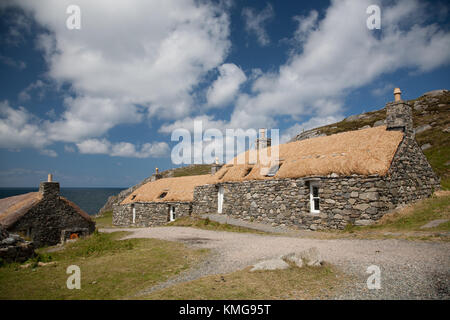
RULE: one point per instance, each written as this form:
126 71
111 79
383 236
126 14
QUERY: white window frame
313 184
134 214
220 199
171 213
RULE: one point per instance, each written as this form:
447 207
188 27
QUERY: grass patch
292 283
105 220
208 224
110 268
192 170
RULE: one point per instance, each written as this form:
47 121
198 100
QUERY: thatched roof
14 208
177 189
363 152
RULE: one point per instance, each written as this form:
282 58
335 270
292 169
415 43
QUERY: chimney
399 115
215 166
156 175
263 142
49 189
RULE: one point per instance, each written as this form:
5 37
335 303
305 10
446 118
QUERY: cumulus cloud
20 129
339 54
130 58
255 22
123 149
224 89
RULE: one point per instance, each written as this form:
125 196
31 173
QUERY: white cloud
224 89
127 54
12 63
123 149
339 54
20 129
255 22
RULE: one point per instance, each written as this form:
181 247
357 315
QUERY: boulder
422 128
310 257
273 264
434 93
433 223
425 146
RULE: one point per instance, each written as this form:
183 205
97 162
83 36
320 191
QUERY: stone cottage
324 182
44 216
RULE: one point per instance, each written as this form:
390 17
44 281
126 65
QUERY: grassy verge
110 268
408 220
208 224
104 221
292 283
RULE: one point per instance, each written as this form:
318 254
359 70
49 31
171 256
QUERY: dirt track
409 269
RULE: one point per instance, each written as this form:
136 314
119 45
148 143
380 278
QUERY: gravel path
409 269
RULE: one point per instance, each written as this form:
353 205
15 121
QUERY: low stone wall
148 214
13 248
286 202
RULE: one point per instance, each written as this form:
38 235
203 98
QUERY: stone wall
286 202
410 176
13 248
45 221
148 214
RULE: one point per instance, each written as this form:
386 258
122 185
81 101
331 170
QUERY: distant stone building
44 217
324 182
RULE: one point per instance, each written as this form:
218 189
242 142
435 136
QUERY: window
162 195
314 197
273 170
247 171
133 197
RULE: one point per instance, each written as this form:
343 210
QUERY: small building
44 216
158 201
319 183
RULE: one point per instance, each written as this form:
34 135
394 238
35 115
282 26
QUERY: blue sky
96 106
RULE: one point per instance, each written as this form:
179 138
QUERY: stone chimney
156 175
399 115
49 189
215 166
262 141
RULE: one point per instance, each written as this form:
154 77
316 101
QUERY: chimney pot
50 177
156 170
397 94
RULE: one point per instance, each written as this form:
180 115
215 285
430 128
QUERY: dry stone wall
286 202
148 214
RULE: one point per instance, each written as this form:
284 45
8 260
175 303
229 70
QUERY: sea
88 199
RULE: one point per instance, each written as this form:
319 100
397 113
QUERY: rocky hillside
191 170
431 116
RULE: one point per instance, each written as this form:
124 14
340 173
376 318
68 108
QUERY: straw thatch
177 189
14 208
364 152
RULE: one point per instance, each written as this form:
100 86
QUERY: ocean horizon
90 199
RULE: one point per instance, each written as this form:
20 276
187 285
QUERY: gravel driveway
409 269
